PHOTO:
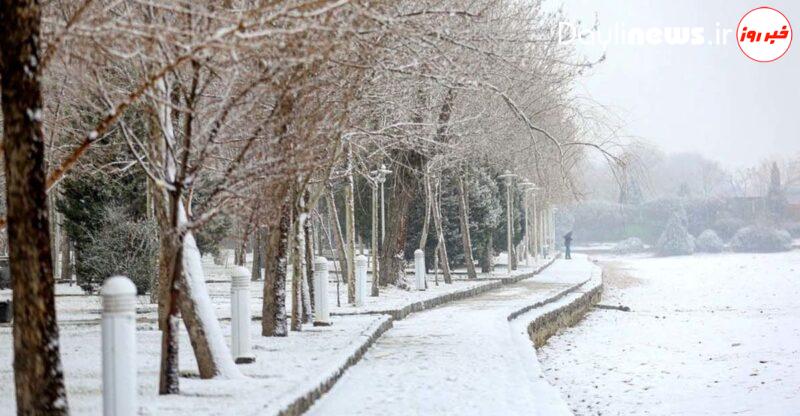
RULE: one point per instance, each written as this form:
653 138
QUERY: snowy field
707 335
285 367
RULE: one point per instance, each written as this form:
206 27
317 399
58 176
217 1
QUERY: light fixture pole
376 179
509 178
380 176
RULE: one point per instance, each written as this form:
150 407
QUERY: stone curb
554 298
451 297
549 323
301 404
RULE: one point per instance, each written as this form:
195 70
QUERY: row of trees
257 117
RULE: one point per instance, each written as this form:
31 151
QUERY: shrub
794 230
761 239
675 240
628 246
121 246
5 278
709 242
727 227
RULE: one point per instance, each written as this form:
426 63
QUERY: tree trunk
273 321
184 280
437 221
258 252
487 253
240 252
350 230
464 222
423 239
297 248
38 373
309 253
169 374
404 188
66 252
337 230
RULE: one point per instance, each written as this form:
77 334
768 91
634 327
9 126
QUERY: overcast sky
707 99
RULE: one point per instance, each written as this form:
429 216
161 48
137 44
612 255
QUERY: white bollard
322 315
361 279
240 316
119 347
419 269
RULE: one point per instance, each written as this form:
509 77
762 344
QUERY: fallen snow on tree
709 242
761 239
629 246
675 240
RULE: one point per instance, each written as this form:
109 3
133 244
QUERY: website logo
764 34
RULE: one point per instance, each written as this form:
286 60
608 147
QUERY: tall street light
509 178
380 177
376 179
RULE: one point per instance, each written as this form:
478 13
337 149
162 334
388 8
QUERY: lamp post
380 177
509 178
377 178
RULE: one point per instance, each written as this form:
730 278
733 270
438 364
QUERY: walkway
459 359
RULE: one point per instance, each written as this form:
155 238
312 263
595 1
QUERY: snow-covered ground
74 306
463 358
707 335
285 368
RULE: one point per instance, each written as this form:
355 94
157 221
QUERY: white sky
707 99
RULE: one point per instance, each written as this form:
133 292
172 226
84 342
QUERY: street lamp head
507 175
379 175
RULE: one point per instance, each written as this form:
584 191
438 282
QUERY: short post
419 269
361 279
240 316
119 347
322 315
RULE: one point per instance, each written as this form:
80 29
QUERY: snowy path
460 359
708 334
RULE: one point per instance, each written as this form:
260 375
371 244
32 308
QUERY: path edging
565 316
431 303
301 404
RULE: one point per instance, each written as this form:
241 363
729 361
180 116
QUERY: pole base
245 360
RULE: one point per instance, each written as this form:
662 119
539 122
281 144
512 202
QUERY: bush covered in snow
5 278
629 245
675 240
794 230
761 239
728 226
709 242
121 246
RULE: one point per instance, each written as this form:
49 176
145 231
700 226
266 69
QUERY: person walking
567 245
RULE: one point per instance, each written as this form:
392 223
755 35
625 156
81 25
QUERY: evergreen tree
84 199
776 199
675 240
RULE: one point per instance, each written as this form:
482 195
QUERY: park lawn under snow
74 306
707 335
285 367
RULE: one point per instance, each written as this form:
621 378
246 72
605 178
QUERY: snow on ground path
459 359
707 335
